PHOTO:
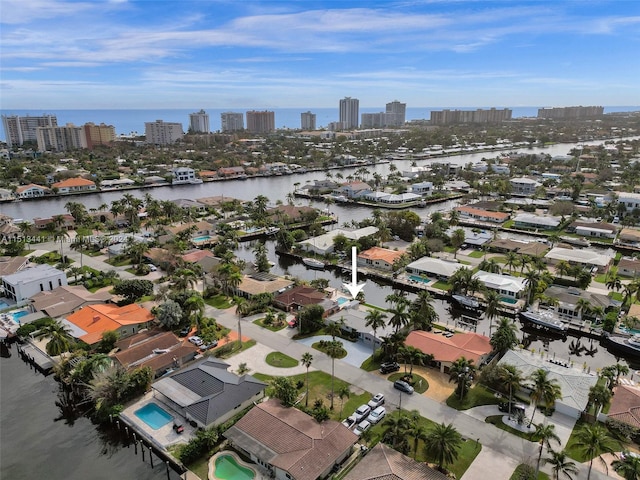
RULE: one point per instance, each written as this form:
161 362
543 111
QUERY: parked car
185 331
376 401
376 415
504 407
403 386
388 367
209 346
152 267
362 427
362 412
349 422
196 340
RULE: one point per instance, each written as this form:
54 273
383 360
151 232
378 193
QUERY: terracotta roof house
66 299
297 297
262 283
206 393
289 443
89 323
162 351
445 351
625 405
32 191
385 463
467 211
380 258
68 222
74 185
217 200
291 213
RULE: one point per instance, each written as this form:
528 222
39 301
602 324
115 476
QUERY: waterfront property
625 404
469 211
66 299
446 350
323 244
434 267
257 283
295 298
379 258
290 444
74 185
508 286
226 465
22 285
588 259
153 415
568 306
355 323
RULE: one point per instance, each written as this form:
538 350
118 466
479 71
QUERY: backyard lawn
475 397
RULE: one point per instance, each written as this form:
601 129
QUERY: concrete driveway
356 352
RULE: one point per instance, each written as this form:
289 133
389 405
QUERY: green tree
457 240
544 434
169 314
59 336
545 390
505 337
375 319
492 298
593 441
284 390
306 360
561 464
343 392
334 350
443 443
512 378
422 312
627 467
461 372
134 289
599 396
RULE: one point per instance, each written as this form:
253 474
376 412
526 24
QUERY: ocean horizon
127 121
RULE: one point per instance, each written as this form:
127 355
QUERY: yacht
628 345
466 301
313 263
544 318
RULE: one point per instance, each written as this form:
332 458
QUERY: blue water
18 315
342 300
3 305
416 278
127 121
153 415
509 300
203 238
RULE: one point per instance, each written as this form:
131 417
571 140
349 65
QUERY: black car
515 407
388 367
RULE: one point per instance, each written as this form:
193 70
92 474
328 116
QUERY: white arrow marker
353 287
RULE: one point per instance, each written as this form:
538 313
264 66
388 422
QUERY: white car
376 400
152 267
196 340
376 415
362 427
362 412
349 422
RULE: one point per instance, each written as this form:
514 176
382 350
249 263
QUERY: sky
145 54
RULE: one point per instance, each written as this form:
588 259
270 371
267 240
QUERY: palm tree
560 463
422 311
545 390
334 328
443 443
395 430
375 319
457 239
599 396
343 392
544 434
334 350
195 305
505 336
399 314
59 336
511 260
511 377
628 467
419 432
306 360
563 268
184 278
593 441
461 372
492 310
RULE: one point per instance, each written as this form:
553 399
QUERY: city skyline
136 54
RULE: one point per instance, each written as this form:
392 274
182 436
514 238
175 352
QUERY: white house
22 285
434 267
506 285
529 220
323 244
32 191
422 188
524 186
184 175
584 257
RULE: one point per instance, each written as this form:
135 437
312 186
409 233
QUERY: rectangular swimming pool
417 278
153 415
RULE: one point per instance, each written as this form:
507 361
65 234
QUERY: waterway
39 439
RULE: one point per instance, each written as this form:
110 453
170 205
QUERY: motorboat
544 318
628 345
313 263
466 301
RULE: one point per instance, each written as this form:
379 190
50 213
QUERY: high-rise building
560 113
231 121
18 129
378 120
99 134
349 112
162 133
261 122
61 139
199 122
446 117
399 112
308 121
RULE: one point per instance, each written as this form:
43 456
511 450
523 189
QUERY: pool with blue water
153 415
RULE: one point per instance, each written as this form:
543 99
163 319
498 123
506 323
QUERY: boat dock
34 356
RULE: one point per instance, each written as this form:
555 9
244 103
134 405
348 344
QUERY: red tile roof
625 405
472 346
74 182
378 253
483 213
97 319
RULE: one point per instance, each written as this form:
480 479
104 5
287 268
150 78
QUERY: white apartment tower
308 121
349 112
231 121
162 133
61 139
399 112
199 122
19 129
261 122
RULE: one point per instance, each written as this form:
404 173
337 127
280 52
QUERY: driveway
356 351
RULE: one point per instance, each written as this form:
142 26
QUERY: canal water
40 438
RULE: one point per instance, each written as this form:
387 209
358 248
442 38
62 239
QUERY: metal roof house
207 394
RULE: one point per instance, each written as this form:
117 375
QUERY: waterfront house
74 185
90 322
530 221
503 245
568 306
446 350
629 237
208 175
588 259
190 205
574 382
630 200
506 285
230 172
629 267
355 323
290 444
161 351
116 184
289 214
523 186
257 283
625 404
436 268
385 463
352 189
32 191
24 284
379 258
67 222
66 299
184 175
323 244
11 265
481 215
424 189
593 229
295 298
206 393
6 195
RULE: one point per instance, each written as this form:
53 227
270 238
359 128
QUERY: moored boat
544 318
627 345
313 263
466 301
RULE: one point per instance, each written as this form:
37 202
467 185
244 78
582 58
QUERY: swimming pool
342 300
417 278
203 238
228 468
18 314
153 415
509 300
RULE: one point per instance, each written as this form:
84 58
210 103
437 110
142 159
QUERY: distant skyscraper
261 122
446 117
378 120
162 133
399 110
99 134
199 122
61 139
19 130
308 121
559 113
231 121
349 112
